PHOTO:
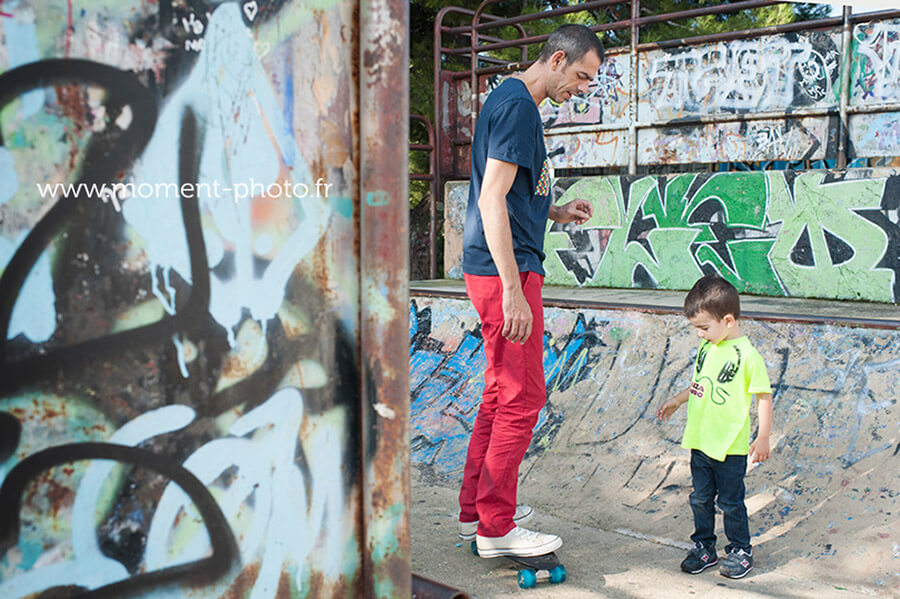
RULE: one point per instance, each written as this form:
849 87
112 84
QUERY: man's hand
578 211
517 321
759 450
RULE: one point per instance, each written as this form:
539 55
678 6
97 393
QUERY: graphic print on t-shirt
729 369
543 185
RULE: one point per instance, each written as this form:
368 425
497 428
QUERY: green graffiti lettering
807 212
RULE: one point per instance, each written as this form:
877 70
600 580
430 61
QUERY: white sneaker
523 514
519 542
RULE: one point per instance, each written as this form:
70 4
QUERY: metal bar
633 89
843 126
546 14
432 196
423 588
473 66
465 28
873 108
383 136
467 32
542 38
731 117
432 201
774 29
743 34
706 10
878 15
438 96
521 66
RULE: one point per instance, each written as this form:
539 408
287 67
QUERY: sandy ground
600 563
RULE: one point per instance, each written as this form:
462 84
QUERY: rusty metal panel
875 134
384 268
182 344
875 71
875 80
773 73
578 149
770 139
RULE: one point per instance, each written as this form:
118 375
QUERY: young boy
727 372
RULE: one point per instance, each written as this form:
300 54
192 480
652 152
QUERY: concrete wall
826 500
821 234
180 402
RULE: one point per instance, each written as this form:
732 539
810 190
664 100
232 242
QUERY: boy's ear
729 320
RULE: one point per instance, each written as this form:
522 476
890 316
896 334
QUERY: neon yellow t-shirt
725 378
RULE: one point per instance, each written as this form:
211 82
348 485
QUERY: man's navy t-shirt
509 129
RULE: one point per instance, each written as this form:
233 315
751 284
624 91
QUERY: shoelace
529 535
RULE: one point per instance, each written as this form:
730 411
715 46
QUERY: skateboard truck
535 569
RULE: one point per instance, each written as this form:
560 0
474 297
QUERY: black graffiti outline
124 87
221 537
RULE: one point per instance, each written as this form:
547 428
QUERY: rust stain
243 583
237 367
58 495
333 149
72 101
284 586
319 586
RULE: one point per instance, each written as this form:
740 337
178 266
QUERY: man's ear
557 59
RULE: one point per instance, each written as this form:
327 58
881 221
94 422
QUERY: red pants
514 393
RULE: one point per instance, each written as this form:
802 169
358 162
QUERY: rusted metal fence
821 90
431 177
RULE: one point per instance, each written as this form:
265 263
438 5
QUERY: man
509 203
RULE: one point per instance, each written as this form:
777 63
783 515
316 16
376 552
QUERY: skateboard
534 569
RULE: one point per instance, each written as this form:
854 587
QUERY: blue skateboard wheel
527 579
474 548
558 574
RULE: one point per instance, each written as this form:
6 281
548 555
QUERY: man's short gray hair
573 39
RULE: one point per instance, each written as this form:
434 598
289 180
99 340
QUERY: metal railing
431 177
480 21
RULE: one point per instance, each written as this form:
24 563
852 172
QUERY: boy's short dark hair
714 295
573 39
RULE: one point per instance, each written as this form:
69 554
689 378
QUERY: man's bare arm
497 181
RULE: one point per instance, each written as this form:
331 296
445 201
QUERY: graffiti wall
819 234
826 499
180 301
772 74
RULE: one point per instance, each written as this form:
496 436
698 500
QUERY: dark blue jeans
725 479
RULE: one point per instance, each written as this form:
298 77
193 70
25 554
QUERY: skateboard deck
534 569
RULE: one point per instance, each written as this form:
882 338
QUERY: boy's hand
759 450
666 410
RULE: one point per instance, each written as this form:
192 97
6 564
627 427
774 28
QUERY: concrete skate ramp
826 502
